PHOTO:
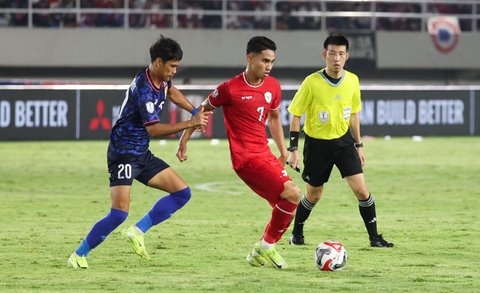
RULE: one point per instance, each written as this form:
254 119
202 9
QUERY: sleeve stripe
151 122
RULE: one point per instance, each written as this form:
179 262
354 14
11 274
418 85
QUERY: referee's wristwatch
292 148
359 145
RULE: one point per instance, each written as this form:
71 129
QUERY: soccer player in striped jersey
129 156
249 100
330 98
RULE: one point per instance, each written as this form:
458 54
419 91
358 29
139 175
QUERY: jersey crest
150 107
268 97
323 116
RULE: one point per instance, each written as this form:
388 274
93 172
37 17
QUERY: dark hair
165 49
259 43
336 39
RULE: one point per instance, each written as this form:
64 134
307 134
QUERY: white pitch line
213 187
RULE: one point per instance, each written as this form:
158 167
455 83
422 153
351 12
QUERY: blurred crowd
238 14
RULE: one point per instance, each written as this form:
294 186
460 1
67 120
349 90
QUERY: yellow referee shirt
327 106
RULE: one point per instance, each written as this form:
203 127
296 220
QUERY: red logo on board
98 121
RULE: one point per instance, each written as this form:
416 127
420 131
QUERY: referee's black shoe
378 241
296 239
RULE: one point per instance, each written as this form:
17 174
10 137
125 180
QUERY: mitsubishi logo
100 120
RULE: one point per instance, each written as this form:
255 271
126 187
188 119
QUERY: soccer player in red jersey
249 100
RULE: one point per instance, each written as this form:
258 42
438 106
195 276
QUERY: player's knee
292 192
362 194
314 194
118 216
297 194
182 196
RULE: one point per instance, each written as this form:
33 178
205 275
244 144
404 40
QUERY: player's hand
200 120
182 152
294 160
283 158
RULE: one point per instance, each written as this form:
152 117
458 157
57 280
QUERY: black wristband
359 145
294 139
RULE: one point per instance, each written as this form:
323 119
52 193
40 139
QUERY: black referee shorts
319 156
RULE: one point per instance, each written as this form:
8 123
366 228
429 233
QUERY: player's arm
355 130
198 120
294 158
180 100
300 104
187 133
276 130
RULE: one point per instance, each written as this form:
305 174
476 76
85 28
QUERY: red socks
282 214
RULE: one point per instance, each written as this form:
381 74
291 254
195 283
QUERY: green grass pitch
427 197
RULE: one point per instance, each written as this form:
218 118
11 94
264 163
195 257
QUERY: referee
331 102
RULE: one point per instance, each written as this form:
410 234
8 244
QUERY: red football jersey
245 112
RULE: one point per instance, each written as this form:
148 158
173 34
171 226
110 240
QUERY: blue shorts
124 168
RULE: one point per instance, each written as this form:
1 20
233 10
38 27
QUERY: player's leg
179 194
366 204
305 207
159 175
123 169
282 194
318 164
283 210
120 196
350 167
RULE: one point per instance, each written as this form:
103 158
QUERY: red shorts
265 175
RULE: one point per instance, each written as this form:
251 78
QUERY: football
330 256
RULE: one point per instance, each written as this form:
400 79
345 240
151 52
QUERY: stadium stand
390 15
